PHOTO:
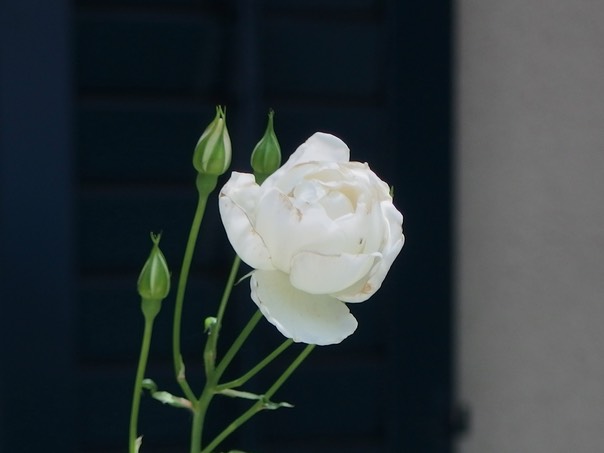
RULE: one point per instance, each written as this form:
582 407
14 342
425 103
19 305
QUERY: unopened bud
212 155
154 280
266 157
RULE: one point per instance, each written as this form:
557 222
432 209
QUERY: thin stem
227 290
210 352
180 296
138 383
259 367
213 373
230 354
257 407
288 372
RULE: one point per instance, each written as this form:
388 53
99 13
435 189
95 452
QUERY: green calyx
266 157
212 155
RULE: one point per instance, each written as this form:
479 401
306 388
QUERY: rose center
336 205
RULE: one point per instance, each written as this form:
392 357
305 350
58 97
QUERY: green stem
227 290
257 407
211 385
210 352
236 346
138 383
205 185
288 372
200 413
250 374
199 418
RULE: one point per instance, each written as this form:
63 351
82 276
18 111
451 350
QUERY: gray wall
530 229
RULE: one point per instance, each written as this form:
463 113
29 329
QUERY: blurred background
486 116
102 103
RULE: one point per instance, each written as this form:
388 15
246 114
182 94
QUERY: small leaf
266 403
270 405
165 397
239 394
137 443
181 370
176 401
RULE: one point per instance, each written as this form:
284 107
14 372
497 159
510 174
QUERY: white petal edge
303 317
247 243
320 147
316 273
363 290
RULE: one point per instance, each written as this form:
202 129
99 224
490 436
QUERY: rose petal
237 203
325 274
320 147
363 290
243 190
287 229
303 317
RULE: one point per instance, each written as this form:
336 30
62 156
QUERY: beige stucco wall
530 224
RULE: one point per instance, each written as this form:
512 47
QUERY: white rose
319 232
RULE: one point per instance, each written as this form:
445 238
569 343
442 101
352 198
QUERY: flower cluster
320 232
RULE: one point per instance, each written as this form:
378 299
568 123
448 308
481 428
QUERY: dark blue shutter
37 271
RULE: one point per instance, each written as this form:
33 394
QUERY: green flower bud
212 155
266 157
154 280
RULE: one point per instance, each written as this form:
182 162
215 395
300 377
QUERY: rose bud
154 280
212 155
266 157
